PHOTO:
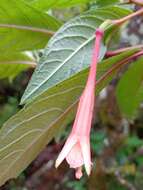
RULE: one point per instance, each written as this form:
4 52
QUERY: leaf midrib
19 62
29 28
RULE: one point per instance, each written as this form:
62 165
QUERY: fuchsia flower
76 150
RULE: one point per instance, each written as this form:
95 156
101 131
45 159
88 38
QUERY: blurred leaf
112 183
139 160
128 169
8 110
77 185
69 51
139 180
23 27
12 64
47 4
130 89
134 142
28 132
104 3
97 141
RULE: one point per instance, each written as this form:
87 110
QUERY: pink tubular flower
76 150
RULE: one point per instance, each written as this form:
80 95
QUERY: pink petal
82 124
78 173
74 157
71 141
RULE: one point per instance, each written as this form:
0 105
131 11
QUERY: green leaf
103 3
130 89
69 51
45 5
134 142
12 64
28 132
23 27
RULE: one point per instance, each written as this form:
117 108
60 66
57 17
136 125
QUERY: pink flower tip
78 173
76 151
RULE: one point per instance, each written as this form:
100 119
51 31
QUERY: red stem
124 19
116 67
121 50
138 2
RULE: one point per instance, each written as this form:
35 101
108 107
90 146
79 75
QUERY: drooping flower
76 150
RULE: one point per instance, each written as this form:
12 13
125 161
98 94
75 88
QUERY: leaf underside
69 50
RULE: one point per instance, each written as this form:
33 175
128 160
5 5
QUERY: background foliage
67 27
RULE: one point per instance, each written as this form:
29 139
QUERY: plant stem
125 2
123 181
138 2
121 50
126 18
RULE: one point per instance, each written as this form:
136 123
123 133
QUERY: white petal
85 146
71 141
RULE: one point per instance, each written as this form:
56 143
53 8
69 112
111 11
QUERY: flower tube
76 150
